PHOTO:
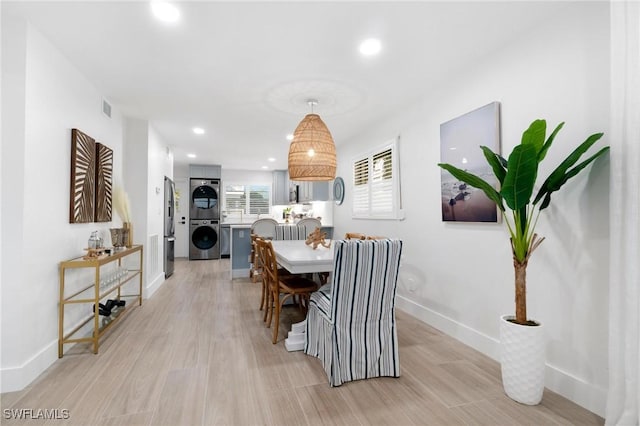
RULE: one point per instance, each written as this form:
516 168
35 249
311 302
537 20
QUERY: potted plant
521 339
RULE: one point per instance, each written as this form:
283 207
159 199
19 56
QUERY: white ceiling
244 70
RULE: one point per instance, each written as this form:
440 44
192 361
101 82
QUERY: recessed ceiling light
370 46
165 11
265 167
198 130
191 155
289 137
271 159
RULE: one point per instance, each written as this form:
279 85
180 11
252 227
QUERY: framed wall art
83 176
104 173
460 141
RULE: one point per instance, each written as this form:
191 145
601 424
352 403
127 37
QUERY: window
376 184
250 199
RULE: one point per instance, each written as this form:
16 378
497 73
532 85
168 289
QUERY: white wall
47 97
182 211
160 161
459 277
147 161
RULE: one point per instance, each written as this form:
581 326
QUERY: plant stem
521 290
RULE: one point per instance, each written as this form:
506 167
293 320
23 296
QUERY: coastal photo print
460 141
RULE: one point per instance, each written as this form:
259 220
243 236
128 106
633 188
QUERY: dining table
299 258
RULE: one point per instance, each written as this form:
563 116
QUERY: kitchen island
240 250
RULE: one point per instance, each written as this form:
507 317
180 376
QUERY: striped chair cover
351 323
291 232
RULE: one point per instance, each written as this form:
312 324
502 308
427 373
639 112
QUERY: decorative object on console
316 238
312 153
517 177
83 175
121 205
104 173
459 141
119 237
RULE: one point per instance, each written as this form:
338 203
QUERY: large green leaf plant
517 177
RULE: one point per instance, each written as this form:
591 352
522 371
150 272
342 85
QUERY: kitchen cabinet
205 171
280 188
307 191
107 281
240 250
225 240
312 191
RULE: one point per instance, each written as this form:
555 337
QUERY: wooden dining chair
260 260
354 236
258 257
256 268
265 228
351 325
282 287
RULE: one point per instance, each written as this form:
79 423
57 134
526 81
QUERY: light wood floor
197 353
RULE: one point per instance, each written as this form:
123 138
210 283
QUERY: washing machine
204 239
205 199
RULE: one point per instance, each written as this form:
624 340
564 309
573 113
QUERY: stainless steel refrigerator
169 226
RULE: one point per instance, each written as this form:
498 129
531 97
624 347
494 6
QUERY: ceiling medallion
292 97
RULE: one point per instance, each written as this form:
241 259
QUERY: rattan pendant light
312 153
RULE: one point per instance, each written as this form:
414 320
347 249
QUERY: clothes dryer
204 239
205 199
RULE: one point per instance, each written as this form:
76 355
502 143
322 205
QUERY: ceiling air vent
106 108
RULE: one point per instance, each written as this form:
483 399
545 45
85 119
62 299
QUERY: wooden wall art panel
104 173
83 175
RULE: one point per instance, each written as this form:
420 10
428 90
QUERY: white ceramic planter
522 361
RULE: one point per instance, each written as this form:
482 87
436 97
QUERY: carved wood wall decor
83 175
104 173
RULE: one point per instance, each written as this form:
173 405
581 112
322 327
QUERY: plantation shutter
259 197
235 197
382 183
376 184
251 199
361 187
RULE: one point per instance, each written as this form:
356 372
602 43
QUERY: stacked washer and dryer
204 219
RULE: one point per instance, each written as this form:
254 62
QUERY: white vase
522 360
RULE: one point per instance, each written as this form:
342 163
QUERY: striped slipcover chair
290 232
351 324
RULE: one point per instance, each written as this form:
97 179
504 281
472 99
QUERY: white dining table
299 258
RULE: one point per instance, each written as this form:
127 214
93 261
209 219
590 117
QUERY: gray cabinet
312 191
225 240
205 171
280 188
307 191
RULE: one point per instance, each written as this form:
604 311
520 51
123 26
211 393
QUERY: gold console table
98 289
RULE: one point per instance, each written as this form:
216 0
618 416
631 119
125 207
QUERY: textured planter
522 360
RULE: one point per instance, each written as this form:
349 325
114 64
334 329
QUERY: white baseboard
19 377
573 388
154 285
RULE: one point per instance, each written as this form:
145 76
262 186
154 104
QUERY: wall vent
106 108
